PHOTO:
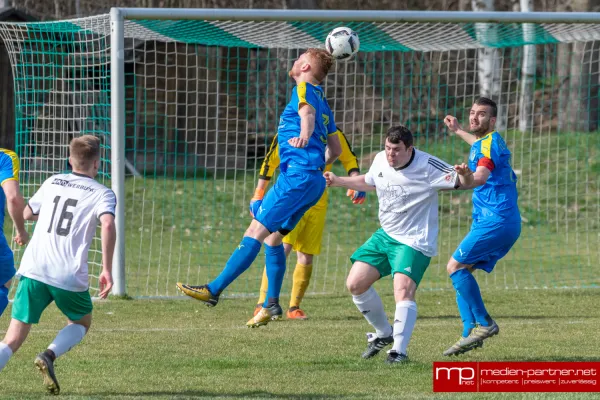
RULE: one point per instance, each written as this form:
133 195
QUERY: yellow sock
302 275
264 285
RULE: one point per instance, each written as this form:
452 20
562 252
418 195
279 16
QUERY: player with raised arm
407 182
54 267
306 237
12 197
307 141
496 220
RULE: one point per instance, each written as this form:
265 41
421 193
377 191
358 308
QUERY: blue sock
467 317
464 282
3 298
275 261
240 261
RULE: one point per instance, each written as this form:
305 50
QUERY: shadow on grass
257 394
498 317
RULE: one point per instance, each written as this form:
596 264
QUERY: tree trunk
526 100
575 81
489 62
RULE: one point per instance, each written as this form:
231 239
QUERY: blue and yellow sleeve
485 157
306 95
271 161
347 158
9 166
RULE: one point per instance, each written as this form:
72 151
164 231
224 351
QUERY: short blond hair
323 61
84 151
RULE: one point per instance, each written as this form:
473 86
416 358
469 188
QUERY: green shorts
389 256
33 297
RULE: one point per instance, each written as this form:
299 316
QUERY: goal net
202 102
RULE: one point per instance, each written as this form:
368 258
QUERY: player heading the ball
307 141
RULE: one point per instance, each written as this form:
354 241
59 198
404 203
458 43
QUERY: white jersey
408 198
69 207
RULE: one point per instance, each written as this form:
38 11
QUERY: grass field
185 228
166 349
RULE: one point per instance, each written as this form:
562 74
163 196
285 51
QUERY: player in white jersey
407 181
54 267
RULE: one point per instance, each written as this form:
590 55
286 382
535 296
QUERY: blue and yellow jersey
347 158
313 155
9 171
497 198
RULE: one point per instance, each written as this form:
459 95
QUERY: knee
404 288
274 239
453 266
403 294
356 287
305 259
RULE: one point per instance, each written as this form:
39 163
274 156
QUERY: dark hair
484 101
400 133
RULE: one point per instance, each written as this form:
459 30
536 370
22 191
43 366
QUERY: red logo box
516 376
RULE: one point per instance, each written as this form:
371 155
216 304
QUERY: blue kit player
496 220
12 197
307 141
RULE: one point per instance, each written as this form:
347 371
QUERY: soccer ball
342 43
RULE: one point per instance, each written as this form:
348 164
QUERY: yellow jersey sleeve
347 158
271 161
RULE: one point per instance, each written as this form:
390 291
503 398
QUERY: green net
203 100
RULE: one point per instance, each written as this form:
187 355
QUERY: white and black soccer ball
342 43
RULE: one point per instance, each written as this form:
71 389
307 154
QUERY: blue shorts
486 243
294 192
7 267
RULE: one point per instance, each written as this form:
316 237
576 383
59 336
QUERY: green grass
184 229
165 349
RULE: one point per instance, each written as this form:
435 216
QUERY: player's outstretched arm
108 235
453 126
16 205
469 179
351 182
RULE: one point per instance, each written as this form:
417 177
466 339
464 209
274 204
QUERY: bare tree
489 62
527 72
573 71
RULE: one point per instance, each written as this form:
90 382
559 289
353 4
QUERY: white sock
5 354
404 324
370 305
68 337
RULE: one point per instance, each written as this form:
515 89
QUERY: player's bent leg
77 306
470 306
15 336
241 259
359 282
264 286
466 285
275 258
405 316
